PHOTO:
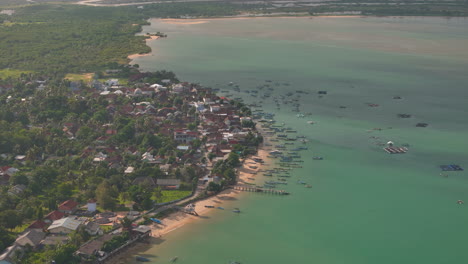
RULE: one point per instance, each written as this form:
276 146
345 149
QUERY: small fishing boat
174 259
156 220
220 208
141 259
308 186
236 211
209 206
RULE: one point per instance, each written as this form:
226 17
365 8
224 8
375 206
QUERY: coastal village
206 136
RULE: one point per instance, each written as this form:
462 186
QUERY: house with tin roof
32 237
64 225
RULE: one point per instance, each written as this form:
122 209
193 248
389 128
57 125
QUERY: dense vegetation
62 39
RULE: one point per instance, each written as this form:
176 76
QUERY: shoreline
201 20
195 21
179 219
131 57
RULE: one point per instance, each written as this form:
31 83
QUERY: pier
260 190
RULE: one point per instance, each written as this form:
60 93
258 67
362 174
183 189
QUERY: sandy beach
179 219
246 174
196 21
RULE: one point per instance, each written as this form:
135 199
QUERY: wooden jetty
260 190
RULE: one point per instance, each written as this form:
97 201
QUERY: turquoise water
366 206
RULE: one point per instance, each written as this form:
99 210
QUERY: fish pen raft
395 150
451 167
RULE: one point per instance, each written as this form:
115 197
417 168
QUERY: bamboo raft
261 190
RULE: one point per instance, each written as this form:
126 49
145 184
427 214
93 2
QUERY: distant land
313 7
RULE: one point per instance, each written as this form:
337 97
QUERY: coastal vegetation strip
64 38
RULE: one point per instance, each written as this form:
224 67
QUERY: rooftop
68 223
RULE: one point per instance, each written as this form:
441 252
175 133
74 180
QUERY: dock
259 190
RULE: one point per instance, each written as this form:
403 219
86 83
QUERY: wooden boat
141 259
209 206
174 259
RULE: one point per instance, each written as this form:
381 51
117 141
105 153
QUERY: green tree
213 187
106 195
63 254
233 159
157 193
39 213
6 238
19 178
10 219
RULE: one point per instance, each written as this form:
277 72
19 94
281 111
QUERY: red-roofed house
68 207
52 216
38 224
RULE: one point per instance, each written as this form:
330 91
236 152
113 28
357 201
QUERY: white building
92 206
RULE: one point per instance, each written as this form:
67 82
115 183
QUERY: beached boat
141 259
209 206
156 220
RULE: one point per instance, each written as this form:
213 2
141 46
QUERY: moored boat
141 259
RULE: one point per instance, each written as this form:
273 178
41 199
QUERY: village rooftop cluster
194 129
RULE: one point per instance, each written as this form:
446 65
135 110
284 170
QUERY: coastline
194 21
179 219
131 57
200 20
